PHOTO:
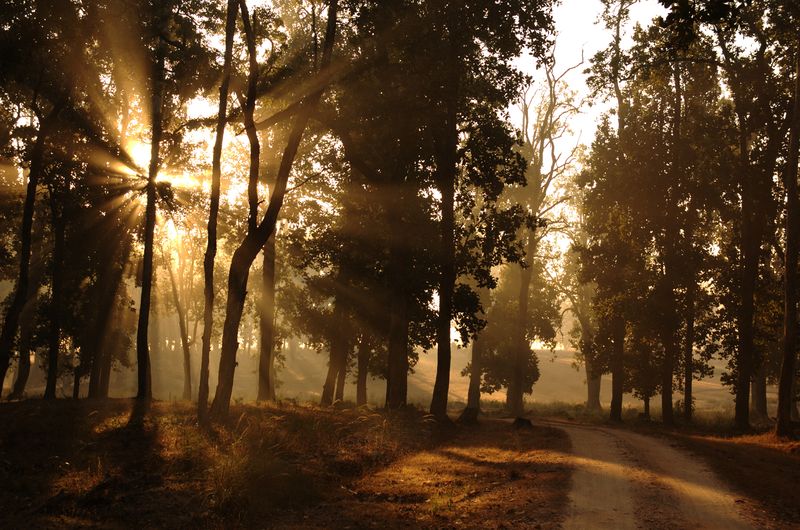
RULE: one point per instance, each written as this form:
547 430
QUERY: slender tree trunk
671 347
76 382
110 280
667 372
617 366
397 374
788 375
688 355
446 182
187 355
398 269
266 321
515 389
213 213
144 389
749 275
336 350
248 108
26 334
341 377
254 241
759 393
647 407
593 373
473 408
11 322
593 381
24 363
104 382
362 367
57 288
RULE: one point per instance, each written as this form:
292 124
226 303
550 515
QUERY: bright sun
140 153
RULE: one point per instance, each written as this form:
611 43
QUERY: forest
307 263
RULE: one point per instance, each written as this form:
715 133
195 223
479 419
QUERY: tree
256 238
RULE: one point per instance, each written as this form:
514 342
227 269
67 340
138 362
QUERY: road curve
625 480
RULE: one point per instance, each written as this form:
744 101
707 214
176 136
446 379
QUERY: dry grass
83 463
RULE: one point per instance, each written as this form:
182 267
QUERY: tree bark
213 213
397 372
788 374
617 365
144 390
447 158
515 395
337 349
593 382
76 382
341 377
11 322
688 355
362 367
759 393
27 326
187 354
109 281
57 288
254 241
266 321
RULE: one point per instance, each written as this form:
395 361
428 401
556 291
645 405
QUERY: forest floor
85 464
76 464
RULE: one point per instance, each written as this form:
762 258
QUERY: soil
487 476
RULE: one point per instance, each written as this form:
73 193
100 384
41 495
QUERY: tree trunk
109 281
759 394
27 326
266 322
446 182
788 375
362 367
57 288
213 213
144 390
748 278
473 408
688 355
341 377
397 270
667 372
397 373
187 355
647 407
617 366
337 349
11 322
593 381
248 250
515 396
76 383
104 381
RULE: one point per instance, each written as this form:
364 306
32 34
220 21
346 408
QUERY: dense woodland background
220 185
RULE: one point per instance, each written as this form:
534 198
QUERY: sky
580 30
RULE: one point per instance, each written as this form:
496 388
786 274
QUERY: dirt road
493 476
625 480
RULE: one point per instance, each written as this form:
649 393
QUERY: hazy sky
579 29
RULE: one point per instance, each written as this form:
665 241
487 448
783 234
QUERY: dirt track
627 480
